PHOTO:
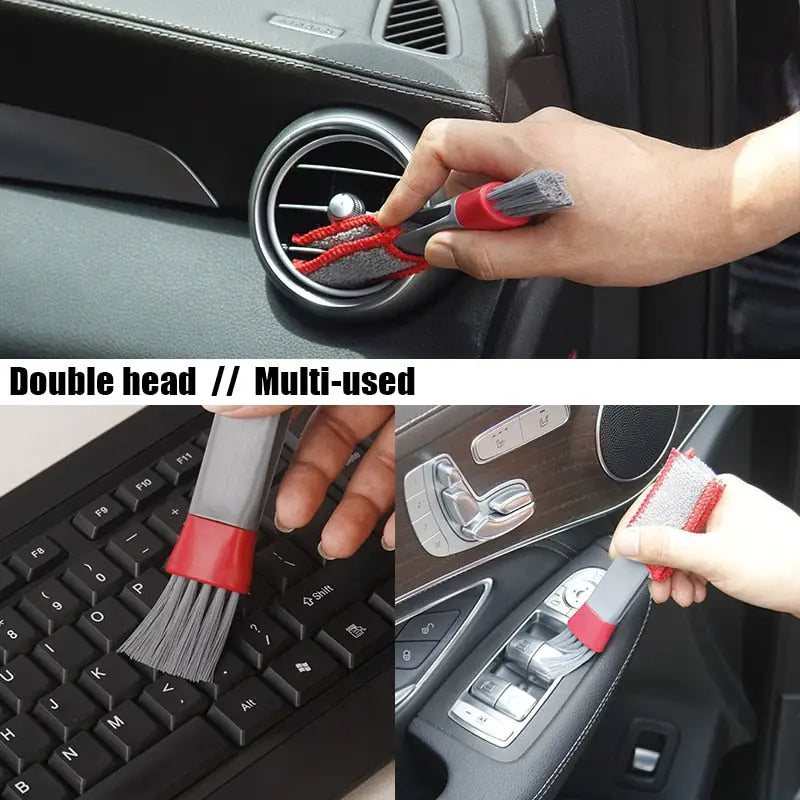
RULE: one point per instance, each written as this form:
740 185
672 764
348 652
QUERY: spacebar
167 768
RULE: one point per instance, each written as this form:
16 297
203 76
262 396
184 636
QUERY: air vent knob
344 205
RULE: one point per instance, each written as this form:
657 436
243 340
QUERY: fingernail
626 542
439 254
322 552
386 545
221 409
282 528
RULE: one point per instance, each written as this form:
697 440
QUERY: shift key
315 600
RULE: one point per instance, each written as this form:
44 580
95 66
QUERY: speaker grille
631 440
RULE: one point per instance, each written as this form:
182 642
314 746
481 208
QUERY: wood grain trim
561 468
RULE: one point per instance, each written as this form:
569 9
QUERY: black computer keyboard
308 656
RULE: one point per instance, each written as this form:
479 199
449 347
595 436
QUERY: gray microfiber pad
357 252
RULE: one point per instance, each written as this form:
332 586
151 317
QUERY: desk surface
33 438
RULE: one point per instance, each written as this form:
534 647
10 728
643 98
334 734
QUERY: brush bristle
570 654
185 631
533 192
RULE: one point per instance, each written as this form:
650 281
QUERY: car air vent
323 154
418 24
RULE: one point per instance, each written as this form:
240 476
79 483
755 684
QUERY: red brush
356 251
212 561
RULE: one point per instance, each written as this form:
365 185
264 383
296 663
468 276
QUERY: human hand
750 551
326 444
646 211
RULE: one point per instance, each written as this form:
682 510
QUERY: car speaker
632 440
326 153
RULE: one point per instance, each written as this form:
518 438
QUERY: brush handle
236 473
476 212
470 210
218 540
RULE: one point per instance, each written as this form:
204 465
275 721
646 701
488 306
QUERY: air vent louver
418 24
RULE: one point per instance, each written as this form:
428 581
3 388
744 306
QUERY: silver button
556 602
483 722
511 499
645 760
516 703
541 420
437 545
414 482
417 506
459 505
521 648
425 527
578 592
497 441
544 656
488 688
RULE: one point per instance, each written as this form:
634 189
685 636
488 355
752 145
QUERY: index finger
445 145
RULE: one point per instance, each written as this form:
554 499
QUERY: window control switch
488 688
515 703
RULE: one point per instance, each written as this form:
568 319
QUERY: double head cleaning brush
683 495
356 251
212 561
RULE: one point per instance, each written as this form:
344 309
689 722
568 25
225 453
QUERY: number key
51 605
94 577
16 635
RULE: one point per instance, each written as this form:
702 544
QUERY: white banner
368 381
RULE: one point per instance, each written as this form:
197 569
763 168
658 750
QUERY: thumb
666 547
523 252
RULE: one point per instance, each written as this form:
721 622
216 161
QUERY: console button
430 627
521 648
410 655
488 688
516 703
497 441
485 723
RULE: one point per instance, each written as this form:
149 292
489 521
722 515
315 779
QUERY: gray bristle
185 631
533 192
572 654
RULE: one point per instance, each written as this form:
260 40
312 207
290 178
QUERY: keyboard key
260 639
173 701
51 605
202 440
141 593
140 489
178 761
283 565
168 518
315 600
23 743
8 581
244 713
307 538
94 577
17 635
127 731
64 654
135 548
110 680
180 464
230 671
37 783
66 711
382 600
95 519
108 624
355 635
36 557
83 761
303 672
22 683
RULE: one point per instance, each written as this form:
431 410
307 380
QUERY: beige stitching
539 25
58 6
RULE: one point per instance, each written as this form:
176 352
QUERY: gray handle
617 588
237 469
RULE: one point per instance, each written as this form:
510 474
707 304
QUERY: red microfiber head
358 252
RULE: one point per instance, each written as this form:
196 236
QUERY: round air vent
632 440
320 155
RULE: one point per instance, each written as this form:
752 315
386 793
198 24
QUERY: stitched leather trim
593 719
253 49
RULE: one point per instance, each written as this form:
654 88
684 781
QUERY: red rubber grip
593 631
215 553
475 212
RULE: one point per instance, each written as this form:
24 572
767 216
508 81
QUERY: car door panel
442 759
